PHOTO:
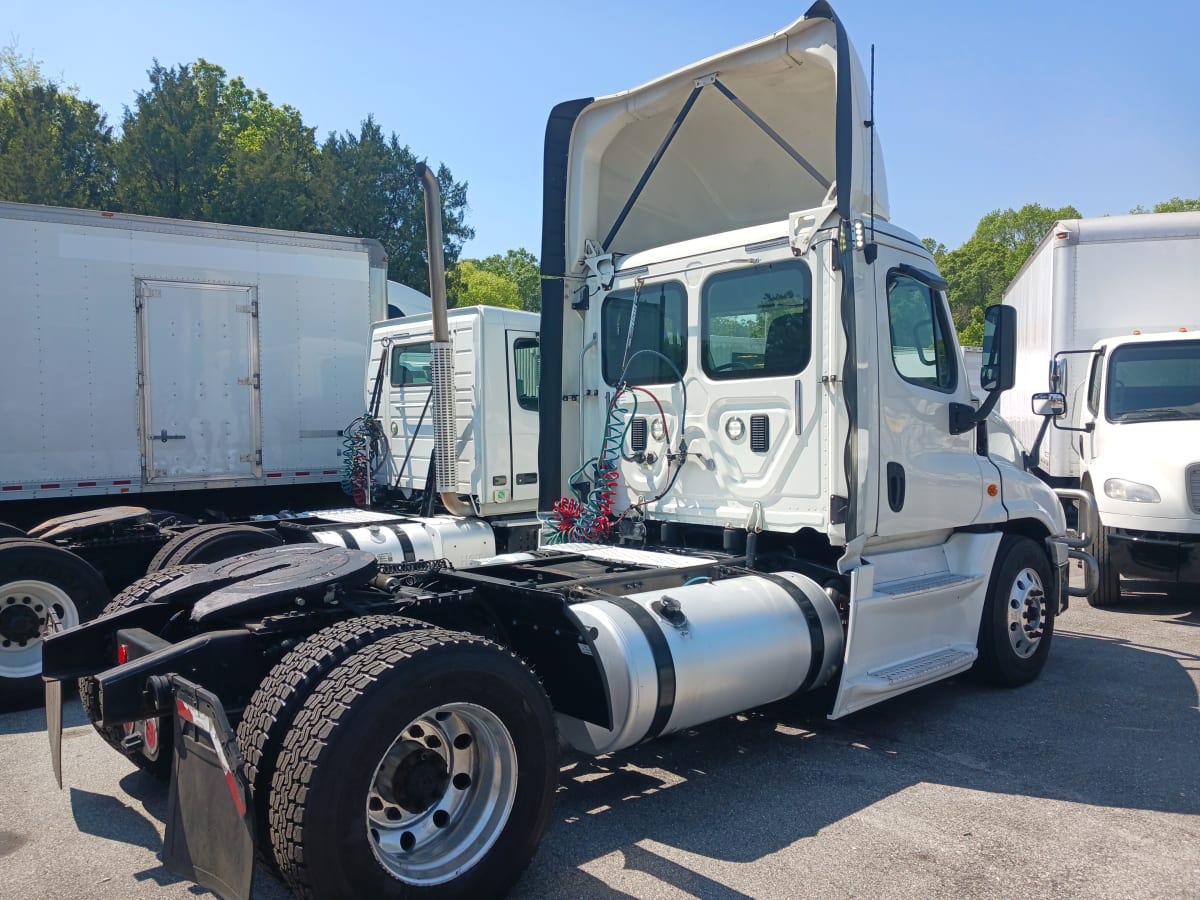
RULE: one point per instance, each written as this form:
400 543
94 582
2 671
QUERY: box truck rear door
198 358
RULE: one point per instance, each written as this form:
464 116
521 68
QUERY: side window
921 348
527 371
1093 397
757 323
410 364
658 347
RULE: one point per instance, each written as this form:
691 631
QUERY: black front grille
760 434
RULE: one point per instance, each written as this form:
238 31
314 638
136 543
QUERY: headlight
1133 491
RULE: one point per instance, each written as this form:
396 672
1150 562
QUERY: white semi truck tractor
760 474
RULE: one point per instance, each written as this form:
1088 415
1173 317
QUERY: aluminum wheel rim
29 600
1026 613
442 794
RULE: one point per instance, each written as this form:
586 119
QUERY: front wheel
1018 614
1108 591
423 766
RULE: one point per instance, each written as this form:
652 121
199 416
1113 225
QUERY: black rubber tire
27 559
11 531
272 709
998 663
211 543
89 692
318 796
1108 591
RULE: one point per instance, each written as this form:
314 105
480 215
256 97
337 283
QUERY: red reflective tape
183 711
86 484
13 487
235 793
274 474
329 472
298 474
46 487
126 481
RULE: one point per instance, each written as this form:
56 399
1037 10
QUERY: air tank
679 657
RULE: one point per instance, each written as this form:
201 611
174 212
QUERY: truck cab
1137 416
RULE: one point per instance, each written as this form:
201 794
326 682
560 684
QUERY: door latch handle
164 437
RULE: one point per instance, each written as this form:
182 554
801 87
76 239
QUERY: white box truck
761 472
141 355
1110 315
211 372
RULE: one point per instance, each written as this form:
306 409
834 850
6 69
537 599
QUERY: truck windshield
1154 381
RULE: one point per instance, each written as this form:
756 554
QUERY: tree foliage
980 270
520 267
471 285
55 148
198 144
1175 204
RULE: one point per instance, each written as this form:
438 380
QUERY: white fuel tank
676 658
408 540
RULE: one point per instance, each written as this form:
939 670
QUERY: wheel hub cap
442 794
19 623
1026 613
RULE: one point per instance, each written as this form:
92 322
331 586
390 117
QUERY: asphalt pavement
1084 784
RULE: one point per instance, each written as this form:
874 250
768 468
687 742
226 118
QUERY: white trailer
143 355
1110 313
761 472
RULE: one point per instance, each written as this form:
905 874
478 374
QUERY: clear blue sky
980 105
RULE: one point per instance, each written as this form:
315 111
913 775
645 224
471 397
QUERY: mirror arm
1030 457
964 417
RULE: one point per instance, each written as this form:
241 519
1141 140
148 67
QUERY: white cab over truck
192 366
761 474
1110 308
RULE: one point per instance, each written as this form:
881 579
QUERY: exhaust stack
441 373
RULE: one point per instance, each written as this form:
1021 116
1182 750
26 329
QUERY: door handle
164 437
895 486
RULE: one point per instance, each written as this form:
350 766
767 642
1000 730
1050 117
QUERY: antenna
872 123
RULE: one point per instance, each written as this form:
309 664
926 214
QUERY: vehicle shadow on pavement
1178 604
33 719
748 786
135 823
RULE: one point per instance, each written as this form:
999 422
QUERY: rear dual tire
211 543
424 765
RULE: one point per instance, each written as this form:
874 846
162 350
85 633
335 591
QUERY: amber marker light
993 490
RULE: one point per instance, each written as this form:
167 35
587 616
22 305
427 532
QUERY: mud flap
54 719
54 704
210 828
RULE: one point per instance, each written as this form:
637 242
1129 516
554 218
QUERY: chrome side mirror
1052 403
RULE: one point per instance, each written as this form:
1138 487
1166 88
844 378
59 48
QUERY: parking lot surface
1085 783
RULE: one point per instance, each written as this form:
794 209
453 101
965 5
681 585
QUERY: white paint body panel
69 338
497 437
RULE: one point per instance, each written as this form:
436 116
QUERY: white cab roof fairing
722 170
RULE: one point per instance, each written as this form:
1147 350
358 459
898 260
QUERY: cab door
930 479
524 352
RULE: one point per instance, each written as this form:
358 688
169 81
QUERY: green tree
171 148
1175 204
472 285
55 148
979 271
366 185
520 267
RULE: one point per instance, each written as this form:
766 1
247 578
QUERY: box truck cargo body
142 355
1109 313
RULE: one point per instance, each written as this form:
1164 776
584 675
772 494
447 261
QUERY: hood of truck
752 134
1164 455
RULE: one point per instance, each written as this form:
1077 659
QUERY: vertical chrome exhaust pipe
441 372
